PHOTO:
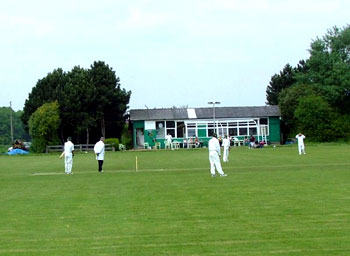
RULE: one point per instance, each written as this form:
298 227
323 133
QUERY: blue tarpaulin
17 151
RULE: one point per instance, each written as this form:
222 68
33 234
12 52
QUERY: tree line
82 103
314 96
5 126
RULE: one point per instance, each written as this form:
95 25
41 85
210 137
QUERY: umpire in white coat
214 156
99 150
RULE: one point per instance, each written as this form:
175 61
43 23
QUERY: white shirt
214 145
226 143
99 149
169 138
68 148
300 139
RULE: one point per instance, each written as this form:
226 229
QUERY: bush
43 126
341 127
38 145
113 142
315 118
126 137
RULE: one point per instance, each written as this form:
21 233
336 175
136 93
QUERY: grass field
273 202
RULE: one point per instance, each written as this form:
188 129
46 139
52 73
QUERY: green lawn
273 202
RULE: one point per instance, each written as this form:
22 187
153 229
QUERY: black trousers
100 163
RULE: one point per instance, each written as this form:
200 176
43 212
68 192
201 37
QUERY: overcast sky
168 53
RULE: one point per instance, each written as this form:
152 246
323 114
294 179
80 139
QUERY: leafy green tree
77 104
341 127
110 100
325 74
329 68
315 117
18 128
5 126
45 90
91 102
281 81
289 101
43 126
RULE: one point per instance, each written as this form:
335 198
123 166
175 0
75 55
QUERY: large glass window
170 128
243 131
174 128
171 132
191 130
160 130
170 124
252 131
243 127
232 131
222 129
263 121
181 130
210 129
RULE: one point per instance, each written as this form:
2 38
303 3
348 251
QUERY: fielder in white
214 156
99 150
301 146
226 144
68 156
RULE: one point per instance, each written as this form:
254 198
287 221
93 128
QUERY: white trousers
226 153
214 160
168 145
68 163
301 149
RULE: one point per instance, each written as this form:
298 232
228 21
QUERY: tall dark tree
283 80
76 104
91 102
279 82
45 90
110 100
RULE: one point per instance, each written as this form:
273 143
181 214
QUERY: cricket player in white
99 150
68 156
226 145
214 156
168 141
301 146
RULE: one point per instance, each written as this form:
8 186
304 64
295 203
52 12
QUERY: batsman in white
301 146
68 154
214 156
226 144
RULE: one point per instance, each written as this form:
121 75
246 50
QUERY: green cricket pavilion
150 126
